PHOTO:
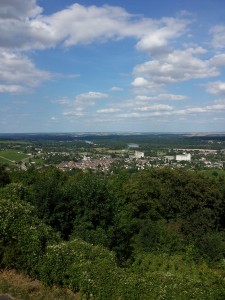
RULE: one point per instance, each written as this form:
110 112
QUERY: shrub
81 267
23 237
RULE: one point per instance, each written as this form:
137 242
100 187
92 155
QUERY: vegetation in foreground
20 286
155 234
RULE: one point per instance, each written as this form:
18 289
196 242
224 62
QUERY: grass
22 287
10 142
5 161
12 155
161 153
213 172
38 161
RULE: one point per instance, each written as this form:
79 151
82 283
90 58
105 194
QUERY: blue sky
142 66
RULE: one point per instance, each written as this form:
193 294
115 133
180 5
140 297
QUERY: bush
81 267
23 237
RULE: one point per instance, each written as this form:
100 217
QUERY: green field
38 161
11 155
213 172
11 142
4 161
161 153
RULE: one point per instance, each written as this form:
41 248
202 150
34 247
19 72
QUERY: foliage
23 237
155 234
93 271
81 267
93 207
4 177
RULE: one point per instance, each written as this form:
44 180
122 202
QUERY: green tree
23 237
4 176
92 207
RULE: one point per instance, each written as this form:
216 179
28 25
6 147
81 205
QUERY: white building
183 157
139 154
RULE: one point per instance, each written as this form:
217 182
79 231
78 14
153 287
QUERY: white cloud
164 30
140 82
216 88
108 110
162 97
81 104
76 112
217 60
218 36
16 17
11 88
155 107
17 70
53 119
216 107
140 109
18 9
179 65
116 89
23 27
90 96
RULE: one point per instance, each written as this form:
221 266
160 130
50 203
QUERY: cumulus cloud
18 71
218 36
18 9
116 89
155 107
215 107
78 24
16 19
82 102
107 110
24 27
162 97
11 88
218 60
140 109
216 88
159 35
90 96
179 65
140 82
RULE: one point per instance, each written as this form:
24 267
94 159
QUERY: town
110 153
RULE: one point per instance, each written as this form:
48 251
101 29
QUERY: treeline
155 234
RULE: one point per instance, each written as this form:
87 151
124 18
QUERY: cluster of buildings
136 160
131 158
140 162
100 164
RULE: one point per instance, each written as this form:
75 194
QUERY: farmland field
213 172
12 155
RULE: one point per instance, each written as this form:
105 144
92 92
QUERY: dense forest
152 234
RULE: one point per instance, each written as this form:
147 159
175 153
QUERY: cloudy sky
93 65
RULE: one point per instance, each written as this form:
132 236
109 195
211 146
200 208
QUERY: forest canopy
150 234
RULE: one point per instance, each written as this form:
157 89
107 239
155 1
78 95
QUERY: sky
112 66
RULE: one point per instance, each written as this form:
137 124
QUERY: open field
214 172
37 161
12 155
5 161
16 142
114 151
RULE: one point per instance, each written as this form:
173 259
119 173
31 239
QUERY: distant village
107 160
195 158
